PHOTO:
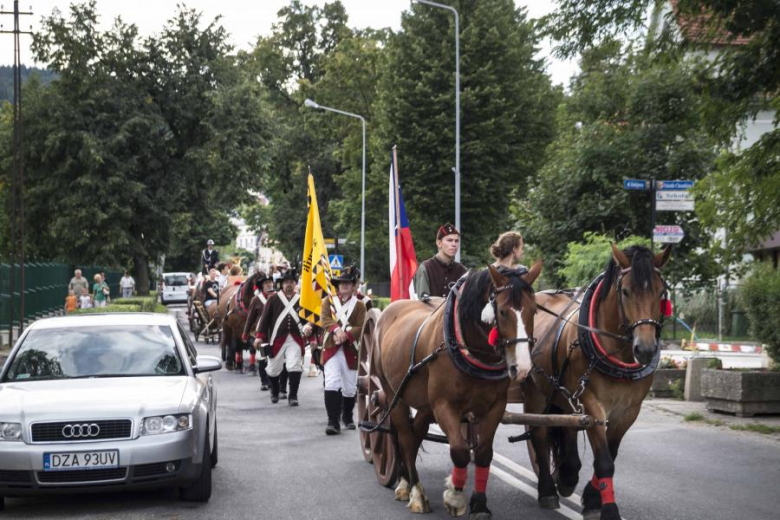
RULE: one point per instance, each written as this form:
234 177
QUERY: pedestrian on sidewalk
99 292
71 302
281 334
343 316
435 276
78 284
127 283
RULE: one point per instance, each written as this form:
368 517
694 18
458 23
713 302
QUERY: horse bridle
624 323
503 343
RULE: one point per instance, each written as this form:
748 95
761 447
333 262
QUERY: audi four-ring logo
80 431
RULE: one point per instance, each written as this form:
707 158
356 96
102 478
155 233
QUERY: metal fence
46 286
713 314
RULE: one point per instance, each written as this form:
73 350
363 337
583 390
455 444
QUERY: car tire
200 490
215 449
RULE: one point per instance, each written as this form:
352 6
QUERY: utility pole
17 177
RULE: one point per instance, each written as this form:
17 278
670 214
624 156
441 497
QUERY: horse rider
209 258
343 316
435 276
263 291
281 335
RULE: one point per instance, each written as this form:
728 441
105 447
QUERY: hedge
127 305
760 296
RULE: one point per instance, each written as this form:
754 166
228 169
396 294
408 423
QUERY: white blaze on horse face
524 358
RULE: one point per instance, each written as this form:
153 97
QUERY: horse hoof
591 514
455 502
564 490
549 502
480 516
418 502
610 512
402 490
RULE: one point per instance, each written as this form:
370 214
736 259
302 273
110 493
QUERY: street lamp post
457 112
311 104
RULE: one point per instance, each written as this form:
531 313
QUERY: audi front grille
75 431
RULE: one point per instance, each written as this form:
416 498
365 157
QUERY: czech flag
403 260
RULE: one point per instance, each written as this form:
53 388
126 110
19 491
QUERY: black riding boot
274 389
264 381
283 383
347 407
295 382
333 408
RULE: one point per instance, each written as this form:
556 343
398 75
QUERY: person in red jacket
263 291
343 316
280 333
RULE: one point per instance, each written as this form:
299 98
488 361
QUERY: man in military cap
263 290
435 275
280 333
209 258
343 316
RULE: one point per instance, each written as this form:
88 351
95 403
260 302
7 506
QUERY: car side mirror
207 364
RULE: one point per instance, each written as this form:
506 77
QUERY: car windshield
175 280
96 351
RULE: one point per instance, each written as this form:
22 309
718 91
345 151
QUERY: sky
245 20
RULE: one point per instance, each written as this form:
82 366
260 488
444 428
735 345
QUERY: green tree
625 118
133 134
743 78
585 260
506 102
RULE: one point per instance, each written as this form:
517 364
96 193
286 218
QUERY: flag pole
398 254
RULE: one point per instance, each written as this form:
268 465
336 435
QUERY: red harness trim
591 320
464 352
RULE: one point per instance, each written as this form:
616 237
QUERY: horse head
640 291
510 309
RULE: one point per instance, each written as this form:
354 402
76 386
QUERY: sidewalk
702 416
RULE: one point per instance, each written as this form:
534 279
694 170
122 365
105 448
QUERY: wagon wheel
383 445
378 447
364 369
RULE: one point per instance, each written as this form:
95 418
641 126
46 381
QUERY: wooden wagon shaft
583 422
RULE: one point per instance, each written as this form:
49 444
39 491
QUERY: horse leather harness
587 340
465 362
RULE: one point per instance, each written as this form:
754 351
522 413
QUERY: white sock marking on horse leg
524 356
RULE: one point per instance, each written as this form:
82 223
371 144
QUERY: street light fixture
457 112
311 104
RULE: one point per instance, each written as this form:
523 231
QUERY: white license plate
81 460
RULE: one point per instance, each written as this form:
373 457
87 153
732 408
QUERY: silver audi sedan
106 402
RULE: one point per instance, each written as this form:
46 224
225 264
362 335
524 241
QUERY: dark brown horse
612 369
479 340
234 301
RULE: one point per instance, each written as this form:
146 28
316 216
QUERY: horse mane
641 269
473 296
248 285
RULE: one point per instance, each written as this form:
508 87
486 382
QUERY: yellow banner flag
316 274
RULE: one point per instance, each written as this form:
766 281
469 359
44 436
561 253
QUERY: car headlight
166 423
10 431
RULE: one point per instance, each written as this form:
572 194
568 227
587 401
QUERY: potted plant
669 379
749 392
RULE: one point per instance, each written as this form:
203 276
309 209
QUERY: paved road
277 463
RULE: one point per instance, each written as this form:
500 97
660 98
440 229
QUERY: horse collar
591 346
453 339
240 307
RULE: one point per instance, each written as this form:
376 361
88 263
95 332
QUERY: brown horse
466 380
610 366
234 301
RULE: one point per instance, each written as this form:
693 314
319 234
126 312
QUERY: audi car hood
130 397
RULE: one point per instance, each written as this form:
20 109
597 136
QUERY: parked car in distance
106 402
174 288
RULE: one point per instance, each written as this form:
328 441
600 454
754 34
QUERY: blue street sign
673 185
336 261
636 184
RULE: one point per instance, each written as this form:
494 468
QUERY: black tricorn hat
290 274
349 274
262 276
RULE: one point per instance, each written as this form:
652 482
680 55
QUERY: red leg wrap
607 491
252 359
459 477
481 475
594 481
239 358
